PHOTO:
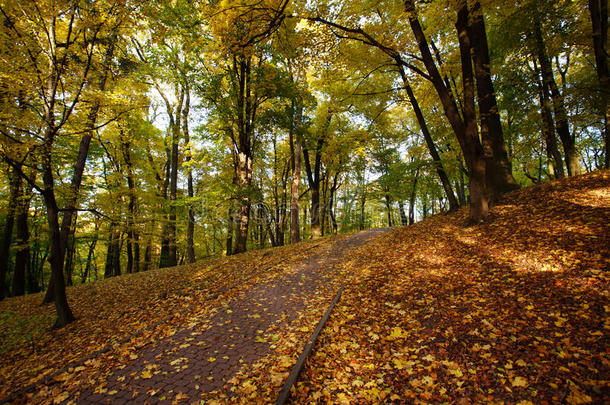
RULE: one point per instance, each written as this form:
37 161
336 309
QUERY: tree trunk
56 255
22 258
230 226
403 216
440 170
548 127
561 116
90 256
498 168
15 186
465 132
478 197
112 251
388 206
296 150
412 198
81 160
70 249
190 229
599 21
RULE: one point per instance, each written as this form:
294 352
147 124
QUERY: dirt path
198 359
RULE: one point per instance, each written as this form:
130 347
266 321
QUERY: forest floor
515 310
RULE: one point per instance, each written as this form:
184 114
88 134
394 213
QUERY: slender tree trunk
440 170
403 216
172 256
296 150
599 21
230 226
15 186
112 251
561 116
498 168
412 198
388 206
90 256
70 249
79 167
548 127
190 229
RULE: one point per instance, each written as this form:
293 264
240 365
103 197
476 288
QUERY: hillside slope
512 311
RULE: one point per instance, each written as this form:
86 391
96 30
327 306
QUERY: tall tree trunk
478 197
230 226
498 168
22 257
90 256
412 198
70 249
56 255
548 127
440 170
561 116
172 256
190 229
79 167
15 186
403 216
464 132
133 236
388 206
112 248
296 150
599 21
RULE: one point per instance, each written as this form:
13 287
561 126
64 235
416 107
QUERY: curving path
203 358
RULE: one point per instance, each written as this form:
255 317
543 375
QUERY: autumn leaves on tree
154 134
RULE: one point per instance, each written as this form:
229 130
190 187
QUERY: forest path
204 355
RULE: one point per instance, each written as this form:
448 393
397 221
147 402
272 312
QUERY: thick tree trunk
465 131
478 195
56 255
22 257
440 170
599 21
498 168
15 186
243 212
561 116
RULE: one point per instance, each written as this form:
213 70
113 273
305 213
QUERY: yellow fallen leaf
211 359
519 382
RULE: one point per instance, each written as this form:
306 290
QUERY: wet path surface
204 356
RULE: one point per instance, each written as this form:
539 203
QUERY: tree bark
15 186
561 116
403 216
548 127
412 198
423 126
81 160
388 206
229 240
599 21
22 257
190 229
498 168
478 197
296 150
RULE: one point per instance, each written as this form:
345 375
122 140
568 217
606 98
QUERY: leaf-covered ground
512 311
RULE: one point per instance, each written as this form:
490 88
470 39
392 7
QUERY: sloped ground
512 311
